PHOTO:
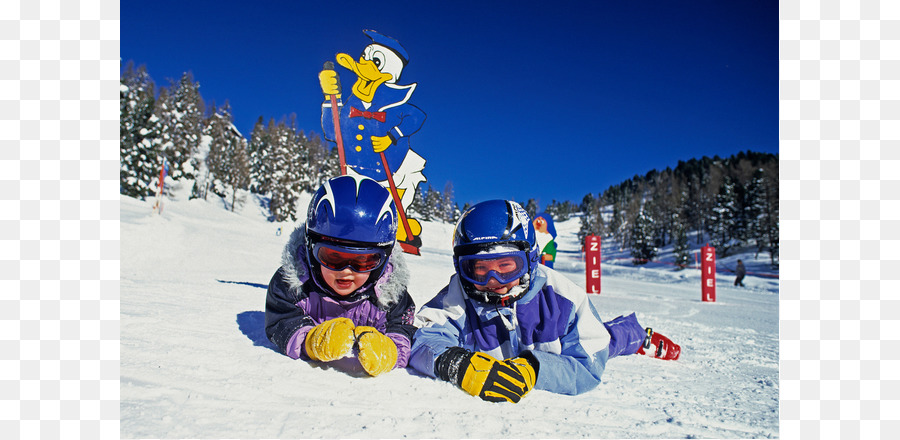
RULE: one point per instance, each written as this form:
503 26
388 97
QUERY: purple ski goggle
505 267
338 258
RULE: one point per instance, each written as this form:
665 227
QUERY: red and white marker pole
708 273
592 263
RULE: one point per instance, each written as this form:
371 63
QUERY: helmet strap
514 294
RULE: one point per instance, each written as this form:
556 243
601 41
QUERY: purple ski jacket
296 302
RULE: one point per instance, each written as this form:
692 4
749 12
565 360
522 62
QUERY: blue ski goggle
338 258
505 267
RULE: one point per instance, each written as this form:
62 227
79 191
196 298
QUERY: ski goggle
504 267
338 258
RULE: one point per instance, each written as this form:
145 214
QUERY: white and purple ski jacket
295 302
554 321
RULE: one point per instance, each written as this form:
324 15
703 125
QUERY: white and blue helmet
490 230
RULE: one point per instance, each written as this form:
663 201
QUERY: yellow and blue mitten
377 352
481 375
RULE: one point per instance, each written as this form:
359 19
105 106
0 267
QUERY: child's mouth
344 284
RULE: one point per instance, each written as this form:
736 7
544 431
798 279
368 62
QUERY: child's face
500 265
344 282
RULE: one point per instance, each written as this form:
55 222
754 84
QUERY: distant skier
506 324
740 272
342 283
546 236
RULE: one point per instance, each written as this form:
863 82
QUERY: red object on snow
592 263
708 273
664 349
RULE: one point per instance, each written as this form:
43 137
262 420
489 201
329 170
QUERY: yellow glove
328 80
496 381
330 340
481 375
381 143
529 375
377 352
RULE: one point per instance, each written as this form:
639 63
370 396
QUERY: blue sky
524 99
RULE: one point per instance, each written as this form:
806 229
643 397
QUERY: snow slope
195 362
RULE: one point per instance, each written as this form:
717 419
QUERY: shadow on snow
261 286
253 325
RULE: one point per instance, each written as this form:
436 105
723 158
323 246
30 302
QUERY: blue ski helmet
496 226
353 212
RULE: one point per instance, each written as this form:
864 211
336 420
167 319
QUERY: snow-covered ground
195 361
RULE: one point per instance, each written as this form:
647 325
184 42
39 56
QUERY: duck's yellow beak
368 76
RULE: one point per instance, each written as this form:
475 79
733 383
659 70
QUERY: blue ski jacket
554 321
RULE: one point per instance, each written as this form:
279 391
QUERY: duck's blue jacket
389 114
554 321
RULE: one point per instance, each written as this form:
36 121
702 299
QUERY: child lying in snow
341 285
502 304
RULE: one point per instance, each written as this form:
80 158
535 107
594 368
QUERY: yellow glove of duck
377 352
381 143
330 340
328 80
481 375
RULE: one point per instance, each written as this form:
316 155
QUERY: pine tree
592 219
228 159
681 249
587 219
531 207
721 225
324 160
139 155
417 207
765 228
641 240
560 210
239 178
181 118
285 185
305 169
261 158
298 156
433 200
449 210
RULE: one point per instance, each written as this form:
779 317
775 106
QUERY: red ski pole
336 117
160 188
409 248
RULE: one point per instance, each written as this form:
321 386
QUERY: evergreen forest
729 202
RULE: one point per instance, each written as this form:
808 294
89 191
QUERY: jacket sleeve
400 328
583 354
284 319
442 323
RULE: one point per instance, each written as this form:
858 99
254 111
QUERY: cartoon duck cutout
375 123
545 233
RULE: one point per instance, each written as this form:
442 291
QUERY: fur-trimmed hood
387 289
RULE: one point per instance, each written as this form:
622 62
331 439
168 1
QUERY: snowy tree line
433 205
200 144
729 203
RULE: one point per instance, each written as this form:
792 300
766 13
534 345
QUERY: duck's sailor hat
389 43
